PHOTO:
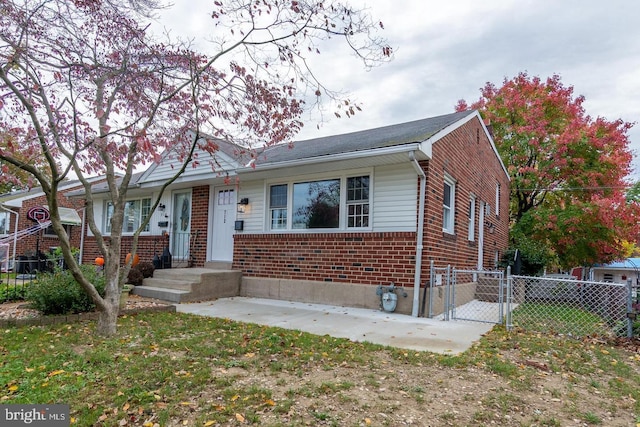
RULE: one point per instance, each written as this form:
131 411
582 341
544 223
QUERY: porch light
242 204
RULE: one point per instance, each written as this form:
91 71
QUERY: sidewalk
356 324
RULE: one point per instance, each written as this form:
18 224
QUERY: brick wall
363 258
148 246
466 155
199 223
28 244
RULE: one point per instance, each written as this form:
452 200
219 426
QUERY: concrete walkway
356 324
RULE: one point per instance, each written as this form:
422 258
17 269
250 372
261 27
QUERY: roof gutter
420 235
410 147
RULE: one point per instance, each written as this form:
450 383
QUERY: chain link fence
569 306
554 305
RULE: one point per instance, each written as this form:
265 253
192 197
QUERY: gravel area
21 309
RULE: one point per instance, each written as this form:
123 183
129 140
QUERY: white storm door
181 225
224 217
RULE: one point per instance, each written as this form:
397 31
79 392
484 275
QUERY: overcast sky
446 51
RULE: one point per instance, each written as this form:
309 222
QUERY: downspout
82 233
15 233
420 234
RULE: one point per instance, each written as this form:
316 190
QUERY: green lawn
172 369
559 319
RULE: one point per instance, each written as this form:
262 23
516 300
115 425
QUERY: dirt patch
394 394
387 391
21 313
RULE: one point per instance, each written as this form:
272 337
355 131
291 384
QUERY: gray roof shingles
388 136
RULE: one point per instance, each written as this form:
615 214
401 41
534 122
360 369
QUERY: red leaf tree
568 170
85 88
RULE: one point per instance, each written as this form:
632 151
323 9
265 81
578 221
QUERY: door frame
180 258
213 191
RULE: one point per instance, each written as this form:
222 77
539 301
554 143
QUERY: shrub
135 277
146 268
12 292
59 293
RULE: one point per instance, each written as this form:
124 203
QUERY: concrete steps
190 284
488 290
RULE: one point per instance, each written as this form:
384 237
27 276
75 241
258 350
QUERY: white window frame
282 218
106 226
358 209
344 203
472 218
449 211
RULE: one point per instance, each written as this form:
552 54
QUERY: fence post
629 309
432 281
447 294
509 293
501 301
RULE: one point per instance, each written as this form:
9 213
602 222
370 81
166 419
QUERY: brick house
24 236
331 218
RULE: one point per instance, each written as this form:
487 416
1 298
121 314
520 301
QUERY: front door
181 226
224 217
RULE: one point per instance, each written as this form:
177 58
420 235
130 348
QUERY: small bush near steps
135 277
139 272
146 268
59 293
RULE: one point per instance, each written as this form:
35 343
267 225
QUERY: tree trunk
108 311
107 321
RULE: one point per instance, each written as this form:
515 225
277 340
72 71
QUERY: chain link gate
472 295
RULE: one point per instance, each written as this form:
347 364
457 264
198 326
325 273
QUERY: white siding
393 200
395 190
164 170
254 217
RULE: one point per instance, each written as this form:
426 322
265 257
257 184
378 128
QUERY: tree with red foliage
568 171
85 88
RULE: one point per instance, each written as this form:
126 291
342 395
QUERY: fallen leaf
54 373
240 418
209 423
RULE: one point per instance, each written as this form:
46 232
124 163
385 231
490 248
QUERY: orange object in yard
99 261
136 259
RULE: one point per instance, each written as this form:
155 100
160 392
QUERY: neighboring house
618 272
331 218
22 234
